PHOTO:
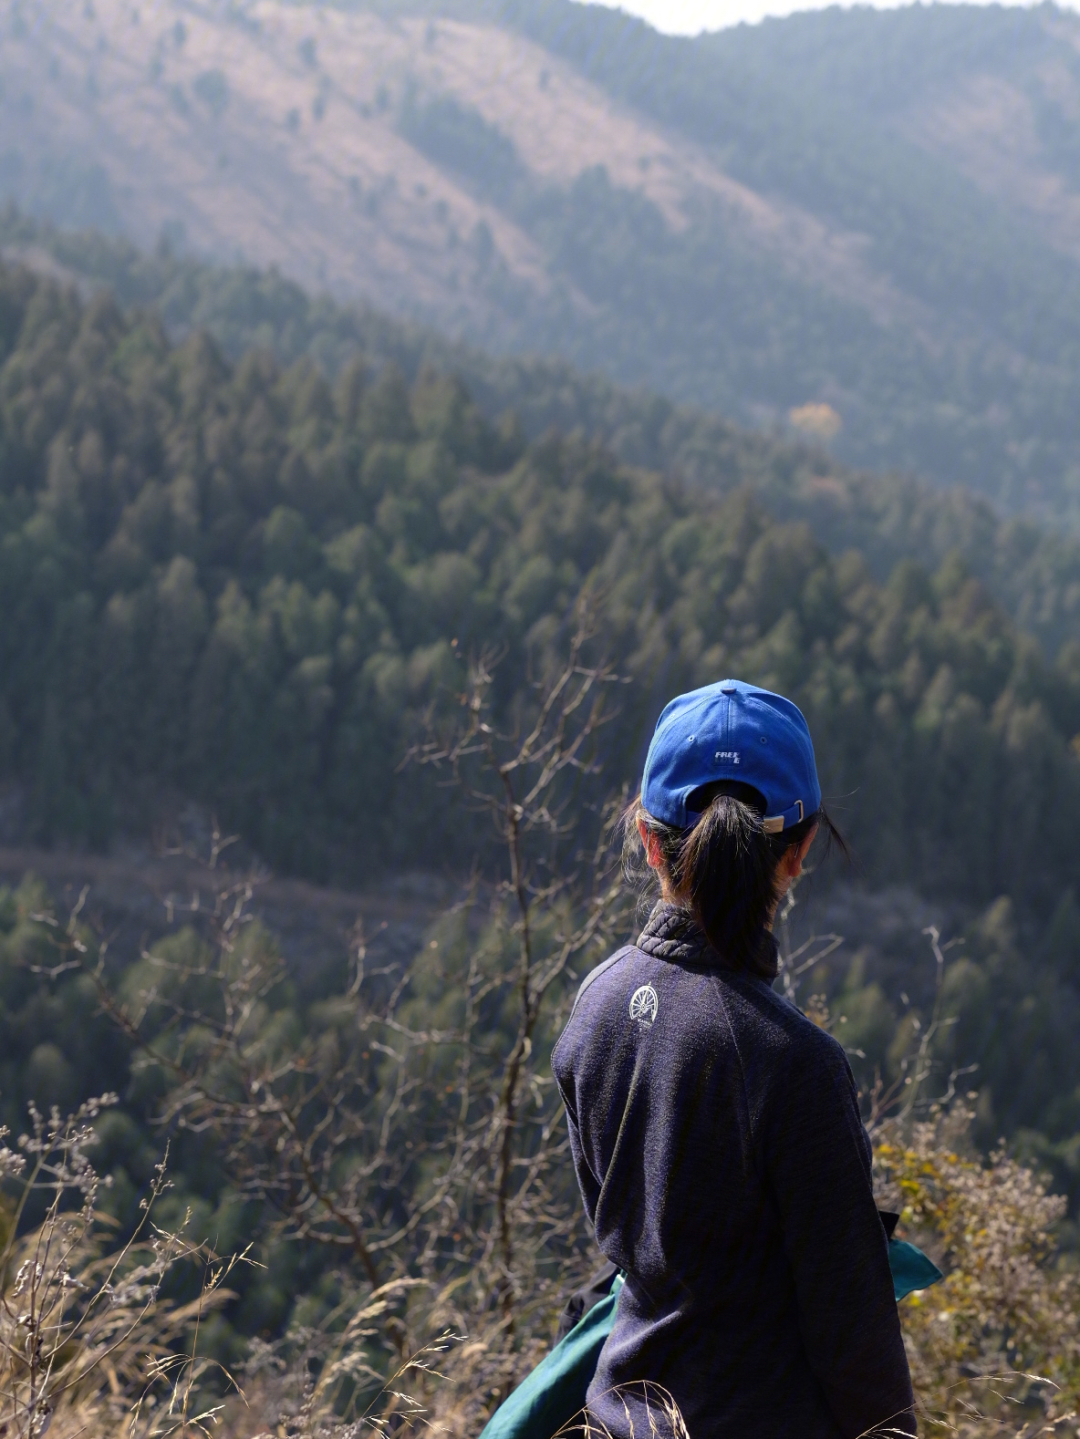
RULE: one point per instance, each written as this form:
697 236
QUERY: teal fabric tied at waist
911 1269
555 1390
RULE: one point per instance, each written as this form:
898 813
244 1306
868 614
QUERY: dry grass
88 1346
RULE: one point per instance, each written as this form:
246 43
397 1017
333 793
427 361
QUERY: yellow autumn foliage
995 1347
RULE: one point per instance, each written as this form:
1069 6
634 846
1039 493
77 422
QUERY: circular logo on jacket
644 1005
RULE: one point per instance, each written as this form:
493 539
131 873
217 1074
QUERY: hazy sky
688 17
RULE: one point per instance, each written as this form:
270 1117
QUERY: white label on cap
731 755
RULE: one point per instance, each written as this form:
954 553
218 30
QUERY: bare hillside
276 137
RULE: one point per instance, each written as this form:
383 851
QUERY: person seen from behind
715 1130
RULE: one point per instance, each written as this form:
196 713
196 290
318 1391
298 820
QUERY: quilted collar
674 934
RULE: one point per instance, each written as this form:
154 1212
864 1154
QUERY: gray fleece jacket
725 1167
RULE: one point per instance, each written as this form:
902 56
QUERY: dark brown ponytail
723 869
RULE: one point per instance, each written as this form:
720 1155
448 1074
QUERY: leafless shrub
516 779
409 1124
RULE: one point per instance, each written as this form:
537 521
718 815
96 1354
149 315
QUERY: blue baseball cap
732 731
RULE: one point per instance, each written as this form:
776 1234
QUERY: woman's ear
650 844
795 857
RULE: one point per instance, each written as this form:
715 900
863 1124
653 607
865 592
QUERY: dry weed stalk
87 1344
662 1416
313 1380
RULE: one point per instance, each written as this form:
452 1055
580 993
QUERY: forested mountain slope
249 586
871 211
1032 569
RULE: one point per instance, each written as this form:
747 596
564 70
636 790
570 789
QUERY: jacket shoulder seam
595 974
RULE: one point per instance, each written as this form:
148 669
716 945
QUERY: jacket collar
673 934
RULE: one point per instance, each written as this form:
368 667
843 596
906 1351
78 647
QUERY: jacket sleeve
587 1181
819 1166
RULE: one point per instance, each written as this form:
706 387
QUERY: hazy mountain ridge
812 210
297 73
